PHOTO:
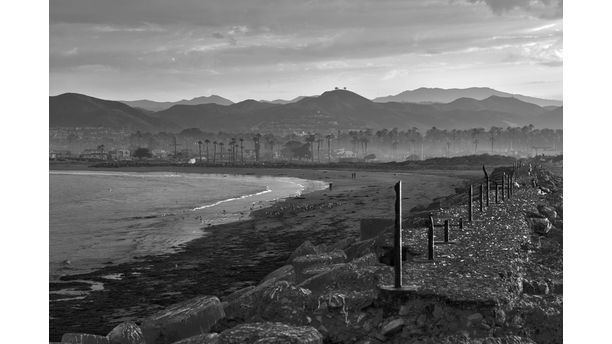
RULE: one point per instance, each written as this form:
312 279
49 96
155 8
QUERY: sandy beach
240 254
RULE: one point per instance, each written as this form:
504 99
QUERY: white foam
268 190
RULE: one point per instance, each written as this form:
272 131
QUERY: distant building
159 154
60 154
94 154
120 154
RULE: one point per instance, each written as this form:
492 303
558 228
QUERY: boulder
538 223
204 338
237 294
392 327
83 338
362 248
305 248
182 320
547 211
126 333
284 273
317 260
343 243
270 332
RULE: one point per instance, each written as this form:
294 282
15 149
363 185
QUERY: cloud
551 9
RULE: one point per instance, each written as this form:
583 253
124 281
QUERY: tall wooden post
503 184
446 230
470 197
496 198
398 235
430 239
487 183
481 196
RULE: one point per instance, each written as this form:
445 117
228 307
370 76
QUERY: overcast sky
269 49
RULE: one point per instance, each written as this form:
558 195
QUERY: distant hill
441 95
337 109
158 106
79 110
282 101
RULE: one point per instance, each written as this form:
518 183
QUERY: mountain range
337 109
441 95
151 105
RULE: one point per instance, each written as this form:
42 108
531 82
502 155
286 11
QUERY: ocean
98 218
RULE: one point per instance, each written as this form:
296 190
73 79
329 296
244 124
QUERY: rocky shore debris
182 320
502 283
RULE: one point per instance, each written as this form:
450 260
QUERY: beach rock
343 243
538 223
284 273
126 333
357 275
83 338
547 211
182 320
304 249
270 332
237 294
392 327
317 260
204 338
361 248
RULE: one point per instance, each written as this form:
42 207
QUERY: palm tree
241 151
319 140
221 144
329 138
310 139
214 151
200 149
207 141
256 139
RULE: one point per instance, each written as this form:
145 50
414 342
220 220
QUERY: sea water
97 218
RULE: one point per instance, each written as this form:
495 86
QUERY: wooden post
430 239
503 184
470 197
487 183
496 198
481 196
446 230
461 223
398 235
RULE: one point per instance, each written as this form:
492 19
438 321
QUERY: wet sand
239 254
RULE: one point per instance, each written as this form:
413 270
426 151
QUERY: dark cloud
542 8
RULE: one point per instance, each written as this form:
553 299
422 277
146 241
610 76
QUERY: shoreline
237 207
243 252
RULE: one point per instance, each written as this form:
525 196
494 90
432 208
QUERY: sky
167 50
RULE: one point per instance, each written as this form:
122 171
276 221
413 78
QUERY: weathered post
486 183
398 235
503 184
446 230
481 196
330 186
470 197
430 239
461 223
496 198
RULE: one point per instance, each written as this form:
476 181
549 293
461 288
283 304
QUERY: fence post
398 235
481 196
496 198
461 223
430 239
446 230
503 186
470 197
487 183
